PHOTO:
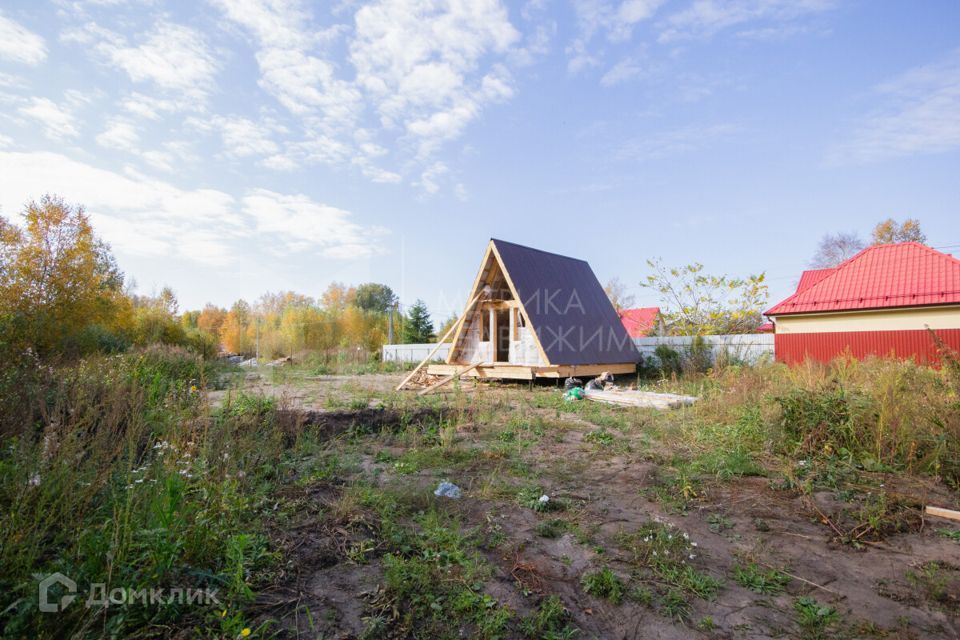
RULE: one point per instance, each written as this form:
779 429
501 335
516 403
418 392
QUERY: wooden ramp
631 398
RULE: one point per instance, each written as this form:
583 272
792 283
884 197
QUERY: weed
642 594
706 624
953 535
719 523
603 583
435 577
551 528
933 580
534 498
550 622
674 490
675 605
600 437
668 553
759 579
726 465
813 616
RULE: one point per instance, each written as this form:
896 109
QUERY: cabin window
484 326
517 323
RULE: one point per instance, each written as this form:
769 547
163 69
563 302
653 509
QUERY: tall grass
120 474
877 414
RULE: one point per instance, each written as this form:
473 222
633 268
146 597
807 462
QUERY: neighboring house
766 327
886 300
639 323
537 314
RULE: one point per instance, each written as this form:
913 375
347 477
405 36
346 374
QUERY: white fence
413 352
747 347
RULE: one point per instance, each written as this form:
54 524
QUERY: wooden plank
440 383
437 347
475 291
506 372
940 512
526 372
585 370
640 399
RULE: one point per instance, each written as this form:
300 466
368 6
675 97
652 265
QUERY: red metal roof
882 276
766 327
639 322
812 277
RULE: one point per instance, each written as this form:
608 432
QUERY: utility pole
390 325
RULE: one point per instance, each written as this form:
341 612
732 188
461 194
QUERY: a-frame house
537 314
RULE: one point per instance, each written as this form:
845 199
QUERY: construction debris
940 512
634 398
601 383
448 490
573 393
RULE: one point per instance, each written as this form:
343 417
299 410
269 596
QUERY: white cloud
5 141
154 107
243 137
280 162
171 156
626 69
705 18
19 44
172 56
430 178
676 141
140 215
614 20
422 72
121 135
301 224
919 113
58 121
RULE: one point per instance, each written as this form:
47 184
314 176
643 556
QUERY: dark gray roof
568 309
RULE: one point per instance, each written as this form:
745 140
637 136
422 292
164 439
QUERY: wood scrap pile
634 398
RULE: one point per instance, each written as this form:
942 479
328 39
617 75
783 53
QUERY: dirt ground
614 474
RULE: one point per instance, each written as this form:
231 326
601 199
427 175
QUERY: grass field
786 503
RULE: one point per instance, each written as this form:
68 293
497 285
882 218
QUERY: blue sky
231 147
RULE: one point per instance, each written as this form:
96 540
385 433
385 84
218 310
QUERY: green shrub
604 583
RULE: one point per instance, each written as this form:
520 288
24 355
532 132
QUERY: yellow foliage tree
890 232
59 285
234 332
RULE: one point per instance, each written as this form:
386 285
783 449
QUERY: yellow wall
877 320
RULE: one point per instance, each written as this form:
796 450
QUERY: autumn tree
235 330
447 325
619 297
57 278
834 248
211 319
155 319
417 326
338 297
371 296
890 232
696 303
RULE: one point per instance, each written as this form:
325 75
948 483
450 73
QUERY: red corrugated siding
794 348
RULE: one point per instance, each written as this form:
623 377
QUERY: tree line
62 294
